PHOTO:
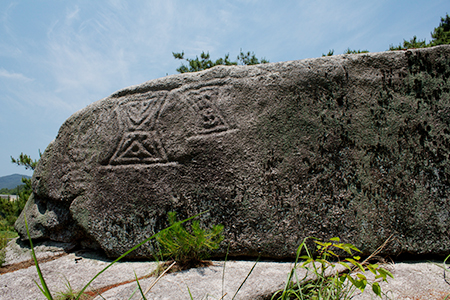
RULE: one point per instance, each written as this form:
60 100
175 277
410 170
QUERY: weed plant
188 248
44 288
70 294
3 242
322 279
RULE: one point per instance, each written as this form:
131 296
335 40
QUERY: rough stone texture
18 252
412 281
415 280
206 283
356 146
76 269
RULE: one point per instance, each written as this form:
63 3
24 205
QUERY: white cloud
98 49
83 56
5 17
72 14
11 75
9 51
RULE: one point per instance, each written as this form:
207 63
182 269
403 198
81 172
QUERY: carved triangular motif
139 147
137 150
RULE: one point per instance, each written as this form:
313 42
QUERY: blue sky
58 56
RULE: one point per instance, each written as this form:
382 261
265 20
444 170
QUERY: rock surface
414 280
355 146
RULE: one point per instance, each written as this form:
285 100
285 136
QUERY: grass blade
139 286
223 271
292 273
46 292
189 291
132 249
254 265
159 277
44 288
445 268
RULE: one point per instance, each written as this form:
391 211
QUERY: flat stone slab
418 281
19 252
212 282
74 268
415 280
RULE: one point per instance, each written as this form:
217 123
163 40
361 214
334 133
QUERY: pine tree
29 164
205 62
441 34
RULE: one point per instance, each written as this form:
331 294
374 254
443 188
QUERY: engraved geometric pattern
142 113
209 118
139 147
137 111
141 143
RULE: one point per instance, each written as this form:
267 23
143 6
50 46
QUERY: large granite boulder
355 146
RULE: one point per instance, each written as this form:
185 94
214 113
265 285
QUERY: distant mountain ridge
11 181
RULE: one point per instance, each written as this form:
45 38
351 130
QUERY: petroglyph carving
142 139
141 143
139 147
209 116
141 114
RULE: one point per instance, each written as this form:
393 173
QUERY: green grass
318 283
5 236
322 280
3 242
188 247
44 288
8 234
70 294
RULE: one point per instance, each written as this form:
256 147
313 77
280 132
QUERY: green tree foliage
330 53
205 62
10 210
350 51
14 191
26 161
250 59
440 36
412 43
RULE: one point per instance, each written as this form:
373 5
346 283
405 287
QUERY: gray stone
414 280
76 269
206 283
18 252
355 146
